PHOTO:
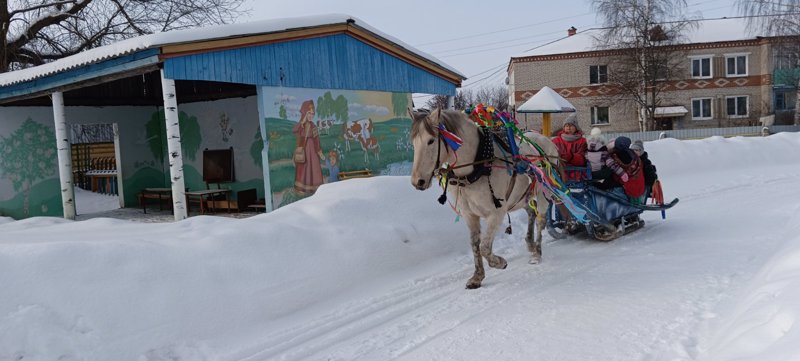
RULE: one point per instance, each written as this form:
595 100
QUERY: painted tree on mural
29 154
400 104
38 31
282 112
156 133
328 107
256 147
340 109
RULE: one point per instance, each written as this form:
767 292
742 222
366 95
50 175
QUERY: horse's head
427 147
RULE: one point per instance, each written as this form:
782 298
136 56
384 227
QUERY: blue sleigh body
608 214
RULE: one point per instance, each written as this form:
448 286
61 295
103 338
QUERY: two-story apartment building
725 79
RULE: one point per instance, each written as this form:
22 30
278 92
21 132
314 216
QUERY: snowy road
645 296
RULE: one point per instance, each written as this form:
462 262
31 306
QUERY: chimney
572 31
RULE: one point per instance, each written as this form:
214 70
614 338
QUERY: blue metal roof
337 60
331 62
91 71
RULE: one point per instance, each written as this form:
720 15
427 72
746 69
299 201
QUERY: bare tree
641 38
37 31
779 18
437 102
496 96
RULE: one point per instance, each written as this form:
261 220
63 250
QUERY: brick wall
569 76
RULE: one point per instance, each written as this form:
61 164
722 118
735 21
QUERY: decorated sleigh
575 207
602 214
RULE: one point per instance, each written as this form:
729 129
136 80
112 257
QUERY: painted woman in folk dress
308 168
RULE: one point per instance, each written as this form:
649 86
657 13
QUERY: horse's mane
452 120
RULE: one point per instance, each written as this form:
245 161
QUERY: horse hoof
473 285
535 260
500 264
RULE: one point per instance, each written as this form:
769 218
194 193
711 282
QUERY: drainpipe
64 156
174 155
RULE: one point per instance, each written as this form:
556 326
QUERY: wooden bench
362 173
163 195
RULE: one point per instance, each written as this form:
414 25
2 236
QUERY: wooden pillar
546 124
64 156
174 155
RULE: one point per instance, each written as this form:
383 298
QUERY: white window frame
593 115
710 105
734 56
747 103
700 58
598 74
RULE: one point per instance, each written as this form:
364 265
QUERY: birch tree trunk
64 157
174 155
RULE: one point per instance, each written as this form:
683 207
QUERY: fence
705 132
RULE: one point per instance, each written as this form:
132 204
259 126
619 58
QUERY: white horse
479 198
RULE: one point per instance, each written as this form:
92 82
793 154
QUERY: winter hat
622 144
571 119
637 146
622 147
595 140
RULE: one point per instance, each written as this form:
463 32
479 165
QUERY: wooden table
161 194
203 195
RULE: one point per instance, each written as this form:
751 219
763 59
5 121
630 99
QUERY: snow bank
106 289
764 324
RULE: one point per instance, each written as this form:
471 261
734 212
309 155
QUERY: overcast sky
476 37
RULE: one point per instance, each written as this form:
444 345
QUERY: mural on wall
157 135
28 157
315 134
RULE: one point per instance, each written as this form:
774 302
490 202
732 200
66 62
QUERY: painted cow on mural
325 126
361 131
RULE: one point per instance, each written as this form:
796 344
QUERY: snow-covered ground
87 202
371 269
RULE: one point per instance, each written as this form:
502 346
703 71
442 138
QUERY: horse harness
482 166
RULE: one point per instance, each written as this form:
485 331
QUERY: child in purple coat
603 166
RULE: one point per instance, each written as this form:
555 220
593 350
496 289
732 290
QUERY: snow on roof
706 31
139 43
546 100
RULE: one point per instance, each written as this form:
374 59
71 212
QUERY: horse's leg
534 244
492 225
474 225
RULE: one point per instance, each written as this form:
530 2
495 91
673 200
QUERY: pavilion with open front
266 110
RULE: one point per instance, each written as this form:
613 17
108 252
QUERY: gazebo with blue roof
190 68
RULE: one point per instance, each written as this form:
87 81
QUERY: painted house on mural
279 107
727 77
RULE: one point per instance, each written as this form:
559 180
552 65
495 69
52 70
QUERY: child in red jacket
571 146
630 162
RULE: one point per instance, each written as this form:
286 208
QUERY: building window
701 67
701 108
780 101
598 74
737 106
600 115
736 65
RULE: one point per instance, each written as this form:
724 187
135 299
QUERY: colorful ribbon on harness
489 117
450 138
